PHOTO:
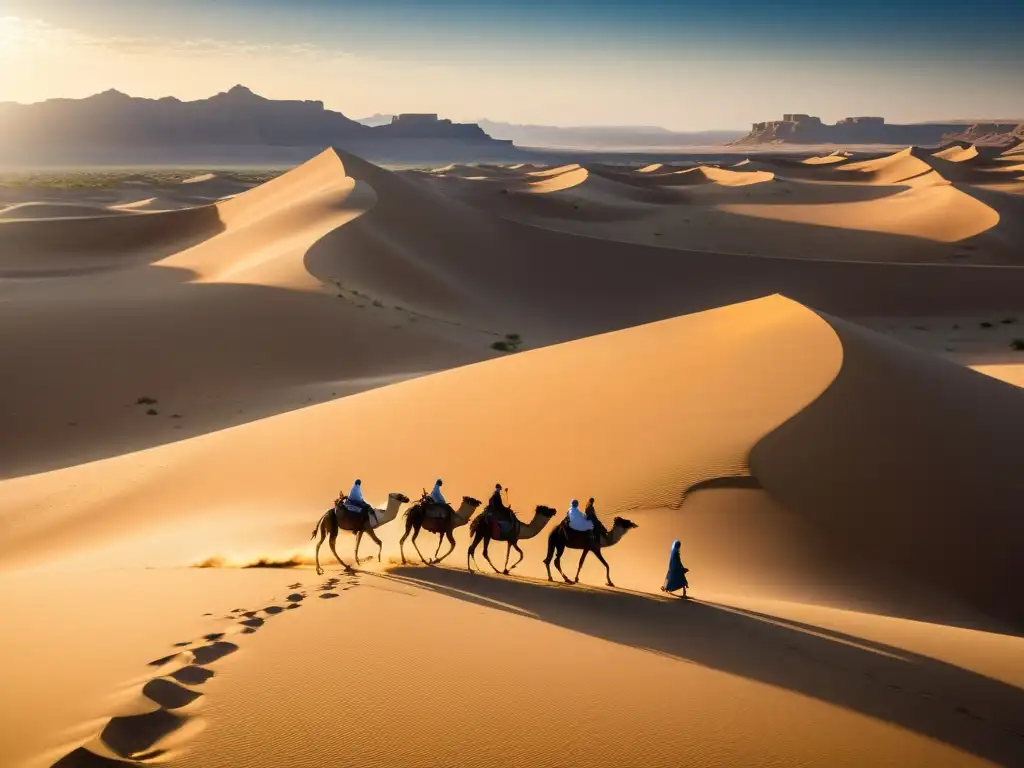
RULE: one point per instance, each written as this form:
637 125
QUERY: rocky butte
797 128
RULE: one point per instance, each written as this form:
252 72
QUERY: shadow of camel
958 707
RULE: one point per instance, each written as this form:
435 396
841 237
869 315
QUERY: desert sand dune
908 195
849 521
97 243
943 213
425 283
728 393
51 211
901 166
958 153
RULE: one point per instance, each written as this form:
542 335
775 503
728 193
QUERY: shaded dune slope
890 460
85 244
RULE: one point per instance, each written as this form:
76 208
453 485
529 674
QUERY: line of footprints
134 739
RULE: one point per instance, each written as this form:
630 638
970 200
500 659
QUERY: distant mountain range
600 137
807 129
112 121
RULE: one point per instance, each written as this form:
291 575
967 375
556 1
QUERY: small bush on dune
510 343
146 401
1017 344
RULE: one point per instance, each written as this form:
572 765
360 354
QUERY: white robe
578 521
356 494
436 494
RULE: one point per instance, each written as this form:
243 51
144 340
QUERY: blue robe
676 576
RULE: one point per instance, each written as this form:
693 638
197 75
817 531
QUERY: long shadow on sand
966 710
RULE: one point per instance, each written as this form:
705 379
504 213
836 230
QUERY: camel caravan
580 529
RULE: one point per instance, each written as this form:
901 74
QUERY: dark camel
481 531
339 518
588 541
416 518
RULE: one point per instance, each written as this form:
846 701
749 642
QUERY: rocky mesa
797 128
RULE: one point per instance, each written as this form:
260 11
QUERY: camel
563 537
416 518
339 518
520 530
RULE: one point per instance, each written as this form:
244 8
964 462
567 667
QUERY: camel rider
591 514
438 502
577 520
355 499
497 510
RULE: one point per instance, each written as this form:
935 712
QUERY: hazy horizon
681 66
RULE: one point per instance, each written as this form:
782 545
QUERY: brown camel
416 518
339 517
563 536
481 530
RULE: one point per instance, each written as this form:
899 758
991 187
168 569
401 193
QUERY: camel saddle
349 517
578 539
434 509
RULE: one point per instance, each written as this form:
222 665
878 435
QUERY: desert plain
806 369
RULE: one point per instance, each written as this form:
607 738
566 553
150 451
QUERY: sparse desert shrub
1017 344
152 412
146 401
1008 320
378 303
986 325
510 343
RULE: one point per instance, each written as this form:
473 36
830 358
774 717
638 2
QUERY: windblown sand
727 356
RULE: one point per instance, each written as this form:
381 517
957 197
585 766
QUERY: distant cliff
806 129
239 117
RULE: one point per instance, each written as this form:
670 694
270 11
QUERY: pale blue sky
683 64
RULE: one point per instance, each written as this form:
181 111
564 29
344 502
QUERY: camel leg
451 540
607 570
331 542
323 535
558 563
359 538
415 535
440 541
508 553
401 541
470 556
582 558
515 546
378 542
487 557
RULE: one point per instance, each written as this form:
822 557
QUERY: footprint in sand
207 654
169 694
134 738
328 595
165 660
191 675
